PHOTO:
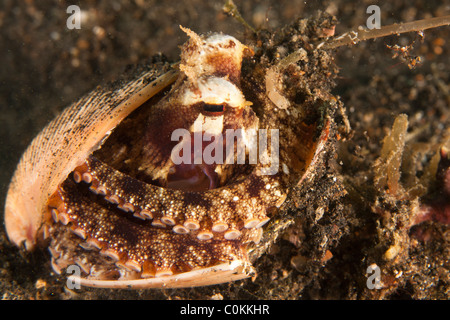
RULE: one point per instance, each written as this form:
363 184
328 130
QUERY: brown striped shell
99 185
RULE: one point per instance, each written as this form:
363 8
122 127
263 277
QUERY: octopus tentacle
135 245
241 205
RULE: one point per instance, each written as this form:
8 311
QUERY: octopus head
187 133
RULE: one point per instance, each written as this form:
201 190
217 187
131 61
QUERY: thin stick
350 37
355 36
232 10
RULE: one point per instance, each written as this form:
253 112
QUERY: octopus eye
213 108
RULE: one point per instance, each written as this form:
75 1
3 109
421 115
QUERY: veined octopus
142 185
